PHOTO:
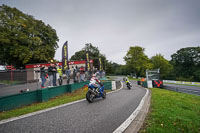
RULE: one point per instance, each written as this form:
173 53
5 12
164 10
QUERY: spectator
54 74
77 74
43 75
68 73
50 73
82 73
60 79
74 74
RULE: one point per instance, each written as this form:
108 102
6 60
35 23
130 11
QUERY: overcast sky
160 26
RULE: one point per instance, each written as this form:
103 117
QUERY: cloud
115 25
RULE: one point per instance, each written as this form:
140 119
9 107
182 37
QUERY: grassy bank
130 78
172 112
65 98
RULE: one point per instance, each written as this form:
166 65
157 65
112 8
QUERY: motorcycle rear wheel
104 95
129 87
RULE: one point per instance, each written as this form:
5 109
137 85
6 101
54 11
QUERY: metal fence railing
16 81
183 89
181 82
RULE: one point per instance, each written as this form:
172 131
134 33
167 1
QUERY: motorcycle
128 84
93 93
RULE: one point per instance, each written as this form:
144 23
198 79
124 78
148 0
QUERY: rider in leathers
94 82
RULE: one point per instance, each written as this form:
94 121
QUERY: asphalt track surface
102 116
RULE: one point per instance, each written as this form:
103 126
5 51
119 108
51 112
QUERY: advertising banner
65 63
87 61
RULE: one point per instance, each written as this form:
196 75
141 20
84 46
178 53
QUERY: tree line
184 64
25 40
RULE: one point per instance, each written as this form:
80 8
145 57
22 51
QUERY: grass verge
65 98
130 78
172 112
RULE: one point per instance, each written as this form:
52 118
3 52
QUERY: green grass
130 78
111 77
65 98
172 112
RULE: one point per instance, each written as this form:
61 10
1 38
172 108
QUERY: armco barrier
144 84
47 93
41 95
181 82
107 85
18 100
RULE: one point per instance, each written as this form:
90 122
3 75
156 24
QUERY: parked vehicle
93 93
2 68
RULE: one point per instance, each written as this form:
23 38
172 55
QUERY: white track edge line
48 109
129 120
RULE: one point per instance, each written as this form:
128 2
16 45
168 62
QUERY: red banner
58 64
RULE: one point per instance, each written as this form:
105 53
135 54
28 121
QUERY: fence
19 80
30 75
181 82
15 76
183 89
41 95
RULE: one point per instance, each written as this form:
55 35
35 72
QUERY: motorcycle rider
95 83
127 81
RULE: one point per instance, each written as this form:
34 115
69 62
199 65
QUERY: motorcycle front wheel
90 97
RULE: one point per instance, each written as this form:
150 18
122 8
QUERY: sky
159 26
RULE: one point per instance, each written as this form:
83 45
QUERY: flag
87 62
65 63
100 65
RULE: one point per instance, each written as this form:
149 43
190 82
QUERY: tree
122 70
159 62
112 68
186 62
137 62
94 54
24 39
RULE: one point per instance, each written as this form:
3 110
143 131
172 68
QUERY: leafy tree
113 68
122 70
159 62
24 39
109 68
186 62
137 62
94 54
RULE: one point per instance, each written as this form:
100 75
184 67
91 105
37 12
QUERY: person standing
54 74
43 75
60 79
68 73
50 73
77 74
74 74
82 74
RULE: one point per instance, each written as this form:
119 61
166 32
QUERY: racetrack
102 116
